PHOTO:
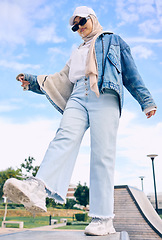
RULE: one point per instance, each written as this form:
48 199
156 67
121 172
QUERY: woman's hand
151 113
24 82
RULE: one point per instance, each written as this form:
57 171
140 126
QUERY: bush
81 217
70 203
50 202
80 223
69 223
12 206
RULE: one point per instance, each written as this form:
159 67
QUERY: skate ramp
135 214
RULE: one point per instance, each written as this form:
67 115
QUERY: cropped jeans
84 110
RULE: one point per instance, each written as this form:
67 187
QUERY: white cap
82 11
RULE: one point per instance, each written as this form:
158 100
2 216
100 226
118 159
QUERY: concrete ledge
21 224
54 221
64 220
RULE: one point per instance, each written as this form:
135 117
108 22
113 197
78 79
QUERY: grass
30 222
75 226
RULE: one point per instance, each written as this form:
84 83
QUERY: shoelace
30 179
96 220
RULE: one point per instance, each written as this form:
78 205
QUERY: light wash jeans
84 110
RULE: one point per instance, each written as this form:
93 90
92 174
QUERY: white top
77 62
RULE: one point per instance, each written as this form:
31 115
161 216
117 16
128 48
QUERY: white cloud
54 51
135 141
19 21
129 11
17 66
141 52
143 40
158 4
150 26
10 105
146 7
7 107
14 24
81 171
126 12
48 34
18 141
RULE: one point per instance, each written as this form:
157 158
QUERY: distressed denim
84 110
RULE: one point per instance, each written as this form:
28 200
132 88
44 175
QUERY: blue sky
35 37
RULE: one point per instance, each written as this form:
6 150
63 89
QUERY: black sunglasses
81 23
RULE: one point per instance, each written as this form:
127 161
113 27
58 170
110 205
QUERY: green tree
6 174
50 202
82 194
69 203
28 166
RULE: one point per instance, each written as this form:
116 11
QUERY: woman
89 93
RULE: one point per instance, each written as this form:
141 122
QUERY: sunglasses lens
81 23
75 27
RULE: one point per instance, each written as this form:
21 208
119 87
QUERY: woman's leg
56 169
104 120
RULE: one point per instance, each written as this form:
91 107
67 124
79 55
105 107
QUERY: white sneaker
100 227
31 193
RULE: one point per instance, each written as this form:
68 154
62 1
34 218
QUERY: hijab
91 70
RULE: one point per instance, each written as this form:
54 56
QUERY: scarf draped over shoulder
91 70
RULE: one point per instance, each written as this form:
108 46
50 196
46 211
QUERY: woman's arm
29 82
134 83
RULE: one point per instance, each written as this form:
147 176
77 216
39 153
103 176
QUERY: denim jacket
116 69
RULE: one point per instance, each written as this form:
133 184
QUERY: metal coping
124 236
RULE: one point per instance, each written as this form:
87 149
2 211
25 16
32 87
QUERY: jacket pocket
113 56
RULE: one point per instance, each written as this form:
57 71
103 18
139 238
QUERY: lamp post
152 156
141 177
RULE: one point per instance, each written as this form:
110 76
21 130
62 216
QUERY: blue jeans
84 110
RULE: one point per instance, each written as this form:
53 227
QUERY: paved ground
54 235
50 233
44 228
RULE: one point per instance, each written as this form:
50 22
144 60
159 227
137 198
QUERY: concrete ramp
135 214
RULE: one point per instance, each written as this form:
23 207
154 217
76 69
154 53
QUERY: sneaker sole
112 231
17 196
14 194
34 209
95 234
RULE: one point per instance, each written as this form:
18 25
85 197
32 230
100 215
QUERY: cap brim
73 17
